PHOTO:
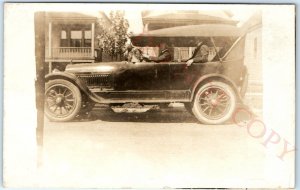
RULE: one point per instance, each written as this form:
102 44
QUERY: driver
164 54
200 54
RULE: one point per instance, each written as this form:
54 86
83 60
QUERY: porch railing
69 53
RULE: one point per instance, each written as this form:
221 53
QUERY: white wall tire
214 103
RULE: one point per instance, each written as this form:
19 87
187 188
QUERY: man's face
162 46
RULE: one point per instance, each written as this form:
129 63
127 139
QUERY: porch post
82 38
69 36
50 46
145 29
50 40
93 40
50 67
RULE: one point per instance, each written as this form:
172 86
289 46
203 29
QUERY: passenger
164 55
137 55
128 52
200 54
133 54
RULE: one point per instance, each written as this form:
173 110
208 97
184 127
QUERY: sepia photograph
149 95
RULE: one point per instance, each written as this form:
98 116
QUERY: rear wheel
62 100
214 103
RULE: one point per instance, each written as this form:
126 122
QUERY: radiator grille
96 80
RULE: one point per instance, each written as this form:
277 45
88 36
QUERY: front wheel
62 100
214 103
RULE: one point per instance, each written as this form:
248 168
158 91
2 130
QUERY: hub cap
60 100
214 102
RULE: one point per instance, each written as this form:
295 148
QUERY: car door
144 76
180 76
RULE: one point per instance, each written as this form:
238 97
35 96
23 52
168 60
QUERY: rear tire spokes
213 102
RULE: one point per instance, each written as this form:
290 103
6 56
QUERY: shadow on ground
166 115
169 115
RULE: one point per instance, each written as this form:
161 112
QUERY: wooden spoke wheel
62 100
214 103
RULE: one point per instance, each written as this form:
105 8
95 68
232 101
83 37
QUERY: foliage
112 37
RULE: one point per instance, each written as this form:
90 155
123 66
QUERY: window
63 35
87 38
88 34
63 39
76 38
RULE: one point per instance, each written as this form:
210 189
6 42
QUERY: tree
112 39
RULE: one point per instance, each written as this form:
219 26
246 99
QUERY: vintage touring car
210 91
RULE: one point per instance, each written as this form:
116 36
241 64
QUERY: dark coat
200 54
164 56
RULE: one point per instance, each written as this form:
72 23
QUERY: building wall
253 55
253 61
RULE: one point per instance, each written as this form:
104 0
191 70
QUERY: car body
209 90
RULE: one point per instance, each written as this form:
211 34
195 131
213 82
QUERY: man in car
200 54
164 54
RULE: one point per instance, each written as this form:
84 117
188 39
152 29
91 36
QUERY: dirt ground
162 148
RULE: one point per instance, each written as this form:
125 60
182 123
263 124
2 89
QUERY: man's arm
164 57
200 59
202 56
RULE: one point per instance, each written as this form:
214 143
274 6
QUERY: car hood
101 67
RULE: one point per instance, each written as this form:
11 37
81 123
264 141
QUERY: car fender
76 81
214 77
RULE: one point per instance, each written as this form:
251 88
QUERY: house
253 61
70 37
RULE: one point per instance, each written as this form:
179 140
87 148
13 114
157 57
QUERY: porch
69 53
70 37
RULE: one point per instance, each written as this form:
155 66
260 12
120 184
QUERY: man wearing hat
164 55
200 54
